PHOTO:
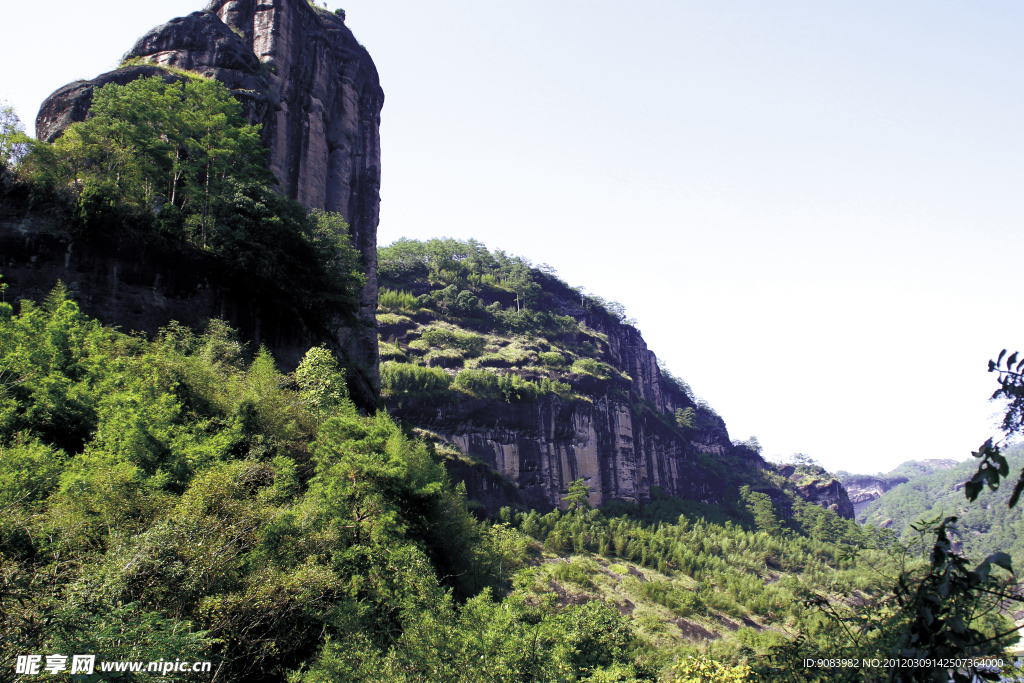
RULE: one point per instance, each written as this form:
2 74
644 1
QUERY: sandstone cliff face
540 447
301 74
864 489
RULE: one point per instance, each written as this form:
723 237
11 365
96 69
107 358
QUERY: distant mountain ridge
864 489
934 489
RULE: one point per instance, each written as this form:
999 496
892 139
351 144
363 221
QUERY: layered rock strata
621 451
302 76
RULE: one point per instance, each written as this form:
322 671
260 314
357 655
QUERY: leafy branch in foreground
993 466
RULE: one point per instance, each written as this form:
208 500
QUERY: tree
13 141
579 495
151 144
761 507
321 382
993 466
686 419
520 281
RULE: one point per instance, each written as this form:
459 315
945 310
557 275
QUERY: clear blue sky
813 209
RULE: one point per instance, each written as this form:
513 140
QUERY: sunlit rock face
300 74
863 490
529 452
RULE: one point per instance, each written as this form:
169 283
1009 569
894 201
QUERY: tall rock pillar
303 76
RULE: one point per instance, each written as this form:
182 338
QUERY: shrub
396 300
390 352
551 358
388 319
576 571
447 338
589 366
478 383
413 380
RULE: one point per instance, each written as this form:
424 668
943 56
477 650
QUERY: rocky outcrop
817 486
301 75
128 283
828 493
864 489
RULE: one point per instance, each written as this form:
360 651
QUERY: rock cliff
301 74
617 429
619 449
863 489
866 488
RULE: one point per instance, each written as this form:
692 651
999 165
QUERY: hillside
198 501
202 460
544 386
864 488
935 490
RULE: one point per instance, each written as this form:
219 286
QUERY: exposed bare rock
541 447
695 632
828 493
864 489
302 75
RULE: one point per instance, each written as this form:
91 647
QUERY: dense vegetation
181 497
176 498
174 165
982 527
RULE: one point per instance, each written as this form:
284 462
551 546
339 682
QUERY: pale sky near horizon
810 208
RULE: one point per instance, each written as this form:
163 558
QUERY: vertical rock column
323 129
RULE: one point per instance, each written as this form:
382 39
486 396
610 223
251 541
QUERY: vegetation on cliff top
458 321
175 165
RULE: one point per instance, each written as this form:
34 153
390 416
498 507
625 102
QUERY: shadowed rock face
300 73
829 494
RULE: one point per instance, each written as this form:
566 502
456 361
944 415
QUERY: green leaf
1001 559
1017 490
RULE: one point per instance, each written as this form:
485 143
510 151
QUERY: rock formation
540 447
828 494
863 489
301 74
866 488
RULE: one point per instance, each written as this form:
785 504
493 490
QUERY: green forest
181 496
983 527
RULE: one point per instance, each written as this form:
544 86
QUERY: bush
403 379
589 366
576 571
551 358
477 383
397 300
447 338
480 383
